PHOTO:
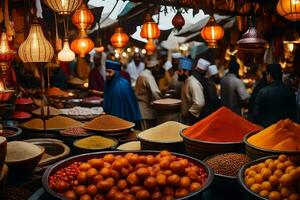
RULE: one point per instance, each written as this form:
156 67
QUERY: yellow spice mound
283 136
95 142
58 122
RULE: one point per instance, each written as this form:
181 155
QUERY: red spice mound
221 126
21 115
22 101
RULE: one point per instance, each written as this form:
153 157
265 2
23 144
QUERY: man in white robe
147 91
135 68
192 94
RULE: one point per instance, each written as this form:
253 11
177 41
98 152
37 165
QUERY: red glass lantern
212 33
150 47
83 17
119 39
150 29
82 45
178 21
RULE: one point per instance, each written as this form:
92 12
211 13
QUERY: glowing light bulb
66 54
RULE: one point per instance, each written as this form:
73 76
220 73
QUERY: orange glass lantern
63 7
212 33
119 39
289 9
82 45
150 47
83 17
6 54
150 29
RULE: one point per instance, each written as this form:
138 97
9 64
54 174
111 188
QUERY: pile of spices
54 91
18 151
95 142
283 136
166 132
52 111
23 101
7 132
108 123
130 146
76 131
228 164
221 126
21 115
58 122
83 111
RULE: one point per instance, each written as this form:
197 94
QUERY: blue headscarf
120 100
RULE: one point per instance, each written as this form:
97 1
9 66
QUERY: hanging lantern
6 54
5 93
119 39
83 17
150 47
36 48
178 21
66 54
82 45
289 9
252 41
63 7
212 33
150 29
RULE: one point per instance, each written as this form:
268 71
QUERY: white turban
212 70
176 55
202 64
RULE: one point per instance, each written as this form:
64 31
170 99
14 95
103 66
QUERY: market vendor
96 79
147 91
192 95
119 97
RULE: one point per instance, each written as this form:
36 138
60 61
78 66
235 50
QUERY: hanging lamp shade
66 54
150 29
119 39
63 7
83 17
150 47
36 48
82 45
178 21
252 41
289 9
212 33
6 54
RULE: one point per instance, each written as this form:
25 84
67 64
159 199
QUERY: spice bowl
257 152
225 185
12 133
203 149
72 134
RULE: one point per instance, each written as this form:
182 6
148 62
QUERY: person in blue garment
119 98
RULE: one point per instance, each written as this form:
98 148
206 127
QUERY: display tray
84 157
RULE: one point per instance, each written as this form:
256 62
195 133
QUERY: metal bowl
84 157
16 135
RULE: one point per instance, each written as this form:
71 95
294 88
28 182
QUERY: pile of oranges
134 177
274 179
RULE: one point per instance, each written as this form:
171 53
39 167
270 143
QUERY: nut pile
132 177
228 164
7 132
274 179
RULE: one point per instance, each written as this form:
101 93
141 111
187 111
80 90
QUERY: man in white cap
135 68
192 95
147 91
